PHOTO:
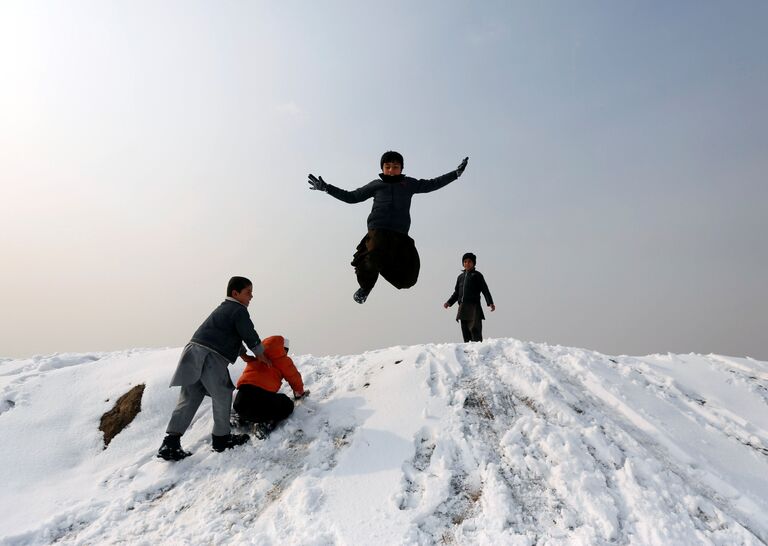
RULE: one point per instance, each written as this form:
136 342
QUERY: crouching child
258 401
203 370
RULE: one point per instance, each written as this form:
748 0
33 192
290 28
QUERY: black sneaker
228 441
360 296
171 450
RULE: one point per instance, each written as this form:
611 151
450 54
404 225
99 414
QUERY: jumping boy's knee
407 284
400 282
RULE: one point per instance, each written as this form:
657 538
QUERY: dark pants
258 405
471 317
389 253
472 330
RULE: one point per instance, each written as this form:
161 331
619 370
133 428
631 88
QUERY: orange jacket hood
270 378
274 347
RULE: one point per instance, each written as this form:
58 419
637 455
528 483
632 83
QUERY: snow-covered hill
502 442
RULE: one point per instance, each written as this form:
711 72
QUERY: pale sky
615 195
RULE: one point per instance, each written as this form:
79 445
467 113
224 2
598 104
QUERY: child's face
468 264
391 169
244 296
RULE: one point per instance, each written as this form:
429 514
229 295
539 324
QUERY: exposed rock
121 415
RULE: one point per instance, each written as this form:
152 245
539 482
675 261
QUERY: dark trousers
471 316
258 405
389 253
472 330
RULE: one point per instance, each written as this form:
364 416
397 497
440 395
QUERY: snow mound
500 442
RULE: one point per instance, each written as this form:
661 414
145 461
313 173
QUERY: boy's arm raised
355 196
426 186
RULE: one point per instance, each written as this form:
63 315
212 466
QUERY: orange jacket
270 378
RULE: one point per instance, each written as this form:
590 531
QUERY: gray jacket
226 329
391 198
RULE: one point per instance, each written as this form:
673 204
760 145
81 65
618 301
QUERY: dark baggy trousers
389 253
258 405
472 330
471 317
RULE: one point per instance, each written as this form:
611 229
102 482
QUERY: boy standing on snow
469 286
387 249
258 400
202 370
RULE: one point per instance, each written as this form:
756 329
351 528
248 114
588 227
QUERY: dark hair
238 284
391 157
469 255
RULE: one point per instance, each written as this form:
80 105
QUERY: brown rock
121 415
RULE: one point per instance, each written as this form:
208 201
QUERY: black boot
170 450
228 441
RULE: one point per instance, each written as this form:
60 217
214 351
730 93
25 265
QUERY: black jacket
225 330
469 285
391 198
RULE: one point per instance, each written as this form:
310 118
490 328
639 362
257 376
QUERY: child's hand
264 360
297 396
461 167
248 358
316 183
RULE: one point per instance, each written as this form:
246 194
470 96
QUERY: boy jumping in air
387 249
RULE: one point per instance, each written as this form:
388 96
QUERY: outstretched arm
426 186
354 196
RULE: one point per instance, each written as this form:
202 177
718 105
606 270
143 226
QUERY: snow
500 442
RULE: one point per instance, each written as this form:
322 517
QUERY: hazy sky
615 196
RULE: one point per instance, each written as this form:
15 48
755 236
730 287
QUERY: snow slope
501 442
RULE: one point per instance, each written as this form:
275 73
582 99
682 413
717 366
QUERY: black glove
316 183
461 167
302 395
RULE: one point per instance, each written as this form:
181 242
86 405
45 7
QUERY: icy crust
502 442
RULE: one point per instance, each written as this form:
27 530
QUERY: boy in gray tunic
202 370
